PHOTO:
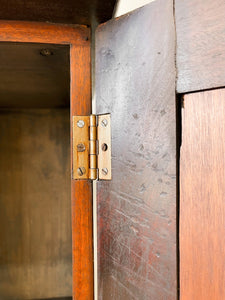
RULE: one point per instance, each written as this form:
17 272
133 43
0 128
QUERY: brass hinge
91 147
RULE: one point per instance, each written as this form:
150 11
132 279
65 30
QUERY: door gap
179 106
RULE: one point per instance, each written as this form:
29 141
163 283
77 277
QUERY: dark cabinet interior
35 201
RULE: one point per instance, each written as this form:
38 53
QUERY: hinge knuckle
89 132
92 149
93 133
93 174
93 121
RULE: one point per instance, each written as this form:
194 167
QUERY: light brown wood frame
78 38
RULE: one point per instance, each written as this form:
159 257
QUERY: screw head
46 52
80 123
81 147
104 122
104 147
105 171
81 171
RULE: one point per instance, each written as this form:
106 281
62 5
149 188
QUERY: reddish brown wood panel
200 31
82 189
202 206
34 32
78 37
135 82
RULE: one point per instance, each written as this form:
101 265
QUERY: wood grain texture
35 32
78 37
80 102
135 82
200 31
58 11
29 79
202 206
35 214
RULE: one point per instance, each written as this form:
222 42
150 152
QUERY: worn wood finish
34 32
30 79
58 11
78 37
80 101
202 207
200 31
135 82
35 214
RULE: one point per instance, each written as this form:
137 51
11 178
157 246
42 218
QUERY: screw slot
105 171
80 123
80 147
81 171
104 147
104 122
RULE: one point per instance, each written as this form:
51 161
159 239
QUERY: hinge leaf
104 141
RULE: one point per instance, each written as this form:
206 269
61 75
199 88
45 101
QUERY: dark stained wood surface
29 79
202 206
135 82
58 11
78 37
200 28
35 204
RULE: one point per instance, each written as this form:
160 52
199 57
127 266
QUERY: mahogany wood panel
35 204
35 32
78 37
202 206
58 11
135 82
200 31
80 101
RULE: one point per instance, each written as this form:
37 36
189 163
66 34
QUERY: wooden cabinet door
135 82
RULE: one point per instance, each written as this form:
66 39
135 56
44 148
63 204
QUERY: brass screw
80 147
104 122
80 123
104 147
81 171
105 171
